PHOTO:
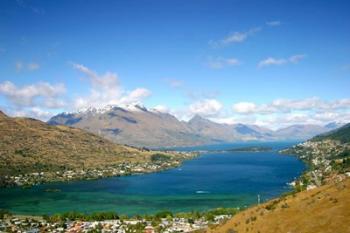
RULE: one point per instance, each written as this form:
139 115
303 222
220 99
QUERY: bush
163 214
98 216
3 213
158 157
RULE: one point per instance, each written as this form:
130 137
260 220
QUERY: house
149 229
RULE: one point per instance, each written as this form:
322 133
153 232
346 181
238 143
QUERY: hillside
342 134
138 126
325 209
301 131
31 146
327 155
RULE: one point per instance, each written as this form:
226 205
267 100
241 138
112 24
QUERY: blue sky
271 63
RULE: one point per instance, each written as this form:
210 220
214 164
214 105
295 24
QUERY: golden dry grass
28 145
325 209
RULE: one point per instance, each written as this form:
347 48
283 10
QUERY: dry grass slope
28 145
325 209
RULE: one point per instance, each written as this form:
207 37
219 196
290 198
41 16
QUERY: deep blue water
212 180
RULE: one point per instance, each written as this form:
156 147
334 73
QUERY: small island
251 149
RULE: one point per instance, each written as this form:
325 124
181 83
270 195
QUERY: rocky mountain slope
139 126
29 147
136 125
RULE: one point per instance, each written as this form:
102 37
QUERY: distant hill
29 145
301 131
342 134
139 126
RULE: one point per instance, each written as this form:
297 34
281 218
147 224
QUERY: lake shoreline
231 194
122 169
242 154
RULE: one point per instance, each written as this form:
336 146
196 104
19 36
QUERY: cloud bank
271 61
105 89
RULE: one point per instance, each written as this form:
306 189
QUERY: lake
212 180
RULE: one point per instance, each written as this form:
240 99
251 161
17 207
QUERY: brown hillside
325 209
28 145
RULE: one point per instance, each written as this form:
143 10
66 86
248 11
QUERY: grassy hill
28 145
325 209
342 134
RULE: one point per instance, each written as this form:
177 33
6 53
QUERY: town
164 222
326 159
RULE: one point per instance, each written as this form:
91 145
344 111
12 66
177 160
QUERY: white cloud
174 83
235 37
296 58
161 108
219 62
284 112
33 66
273 23
39 94
281 61
244 107
272 61
206 107
20 66
135 96
34 112
287 105
281 120
106 81
34 9
106 90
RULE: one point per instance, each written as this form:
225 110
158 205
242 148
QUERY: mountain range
138 126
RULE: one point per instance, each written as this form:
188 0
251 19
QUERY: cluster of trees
159 157
342 165
4 213
155 218
98 216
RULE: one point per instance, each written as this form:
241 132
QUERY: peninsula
33 152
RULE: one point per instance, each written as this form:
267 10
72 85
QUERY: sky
270 63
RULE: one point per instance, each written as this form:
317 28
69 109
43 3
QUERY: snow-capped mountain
138 126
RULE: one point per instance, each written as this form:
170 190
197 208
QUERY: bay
212 180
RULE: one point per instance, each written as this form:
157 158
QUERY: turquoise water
209 181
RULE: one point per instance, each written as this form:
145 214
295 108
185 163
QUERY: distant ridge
341 134
138 126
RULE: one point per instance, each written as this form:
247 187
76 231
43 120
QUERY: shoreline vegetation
251 149
238 149
157 161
